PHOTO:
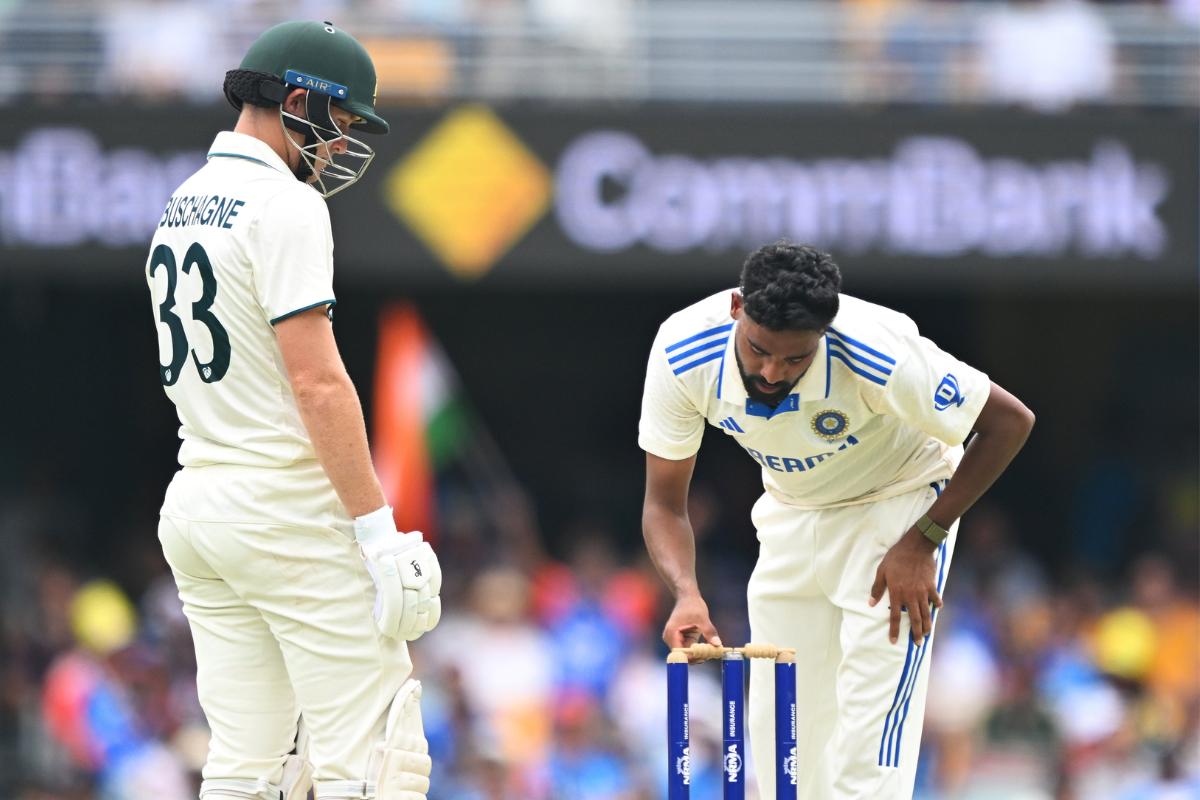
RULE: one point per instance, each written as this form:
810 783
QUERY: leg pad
400 766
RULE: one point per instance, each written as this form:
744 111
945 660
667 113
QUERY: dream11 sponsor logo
60 188
934 196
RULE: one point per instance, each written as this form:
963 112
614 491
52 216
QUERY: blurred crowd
544 680
1046 54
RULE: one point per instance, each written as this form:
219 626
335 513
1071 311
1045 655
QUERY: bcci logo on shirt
733 764
683 766
947 393
830 424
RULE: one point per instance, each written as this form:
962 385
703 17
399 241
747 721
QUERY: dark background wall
556 378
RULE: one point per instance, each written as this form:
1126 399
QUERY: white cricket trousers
281 616
860 699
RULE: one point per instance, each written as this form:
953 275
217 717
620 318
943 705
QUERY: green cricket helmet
335 70
320 57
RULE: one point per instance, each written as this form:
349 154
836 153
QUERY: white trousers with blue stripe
860 698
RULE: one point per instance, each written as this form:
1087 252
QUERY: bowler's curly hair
790 287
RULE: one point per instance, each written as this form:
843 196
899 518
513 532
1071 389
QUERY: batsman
300 593
858 425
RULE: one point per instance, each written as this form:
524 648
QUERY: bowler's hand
907 573
689 621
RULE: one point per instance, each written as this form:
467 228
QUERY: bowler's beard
769 399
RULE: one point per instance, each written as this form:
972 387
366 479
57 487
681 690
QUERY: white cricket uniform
262 550
850 460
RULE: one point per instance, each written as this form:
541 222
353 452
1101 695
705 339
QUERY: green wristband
931 530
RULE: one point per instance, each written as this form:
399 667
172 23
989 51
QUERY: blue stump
785 731
733 693
679 766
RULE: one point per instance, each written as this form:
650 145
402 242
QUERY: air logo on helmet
294 78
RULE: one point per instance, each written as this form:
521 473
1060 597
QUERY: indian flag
419 421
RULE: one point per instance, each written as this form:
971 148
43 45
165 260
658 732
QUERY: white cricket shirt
240 246
880 411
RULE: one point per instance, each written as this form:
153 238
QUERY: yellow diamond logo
469 190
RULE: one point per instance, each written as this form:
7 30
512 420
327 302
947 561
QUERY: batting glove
406 573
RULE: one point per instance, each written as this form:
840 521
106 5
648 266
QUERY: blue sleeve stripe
695 350
290 314
701 335
868 375
856 353
703 359
861 358
862 346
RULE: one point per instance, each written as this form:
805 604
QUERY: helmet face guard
332 67
331 172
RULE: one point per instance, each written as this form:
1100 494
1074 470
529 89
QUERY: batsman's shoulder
295 203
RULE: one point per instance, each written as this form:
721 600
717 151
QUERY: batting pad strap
344 790
232 789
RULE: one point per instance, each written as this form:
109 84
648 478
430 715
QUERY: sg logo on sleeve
947 393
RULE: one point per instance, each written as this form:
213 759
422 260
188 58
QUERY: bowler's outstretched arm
671 543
